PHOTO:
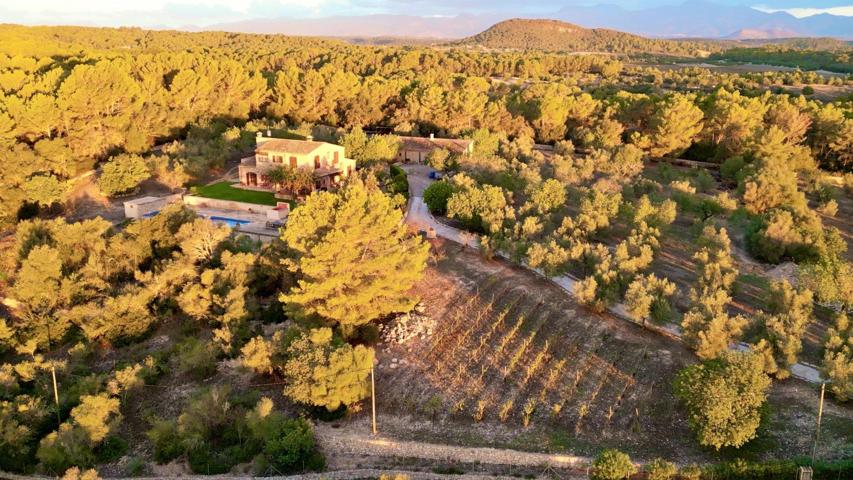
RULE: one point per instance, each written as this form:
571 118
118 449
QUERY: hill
555 35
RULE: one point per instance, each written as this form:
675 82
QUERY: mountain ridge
556 35
695 19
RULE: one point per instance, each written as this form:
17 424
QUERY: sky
201 13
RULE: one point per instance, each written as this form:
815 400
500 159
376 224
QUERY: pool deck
235 214
257 226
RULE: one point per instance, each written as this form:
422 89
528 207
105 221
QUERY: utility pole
373 398
55 394
819 416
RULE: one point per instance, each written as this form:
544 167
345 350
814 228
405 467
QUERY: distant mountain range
692 19
699 18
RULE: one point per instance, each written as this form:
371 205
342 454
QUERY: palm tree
277 177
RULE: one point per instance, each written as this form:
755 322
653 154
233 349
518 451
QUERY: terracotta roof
423 144
299 147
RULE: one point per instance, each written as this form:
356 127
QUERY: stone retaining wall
219 204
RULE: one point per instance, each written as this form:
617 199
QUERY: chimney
269 133
432 136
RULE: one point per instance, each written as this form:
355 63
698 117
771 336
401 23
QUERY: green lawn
224 191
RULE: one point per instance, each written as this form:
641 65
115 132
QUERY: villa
326 161
416 149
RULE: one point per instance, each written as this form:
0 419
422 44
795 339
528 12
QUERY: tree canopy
355 259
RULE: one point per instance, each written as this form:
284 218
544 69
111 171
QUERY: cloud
157 13
801 12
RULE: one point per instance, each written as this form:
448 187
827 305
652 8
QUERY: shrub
436 196
648 297
684 186
324 371
830 278
167 442
197 358
731 168
111 449
830 208
724 397
256 355
660 469
122 173
439 159
289 445
808 90
399 182
838 358
783 233
69 446
725 201
135 467
74 473
690 472
704 181
612 465
23 417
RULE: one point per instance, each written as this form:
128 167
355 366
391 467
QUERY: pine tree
355 258
122 173
37 288
675 124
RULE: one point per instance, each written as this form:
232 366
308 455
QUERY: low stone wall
204 202
358 474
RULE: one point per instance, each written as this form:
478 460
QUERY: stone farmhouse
326 161
416 149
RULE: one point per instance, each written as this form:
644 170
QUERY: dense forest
573 170
72 96
833 61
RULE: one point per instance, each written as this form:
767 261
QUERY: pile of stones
408 326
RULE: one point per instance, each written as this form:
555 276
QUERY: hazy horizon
190 14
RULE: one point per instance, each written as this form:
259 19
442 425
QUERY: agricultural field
514 362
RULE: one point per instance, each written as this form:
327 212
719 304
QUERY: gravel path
354 442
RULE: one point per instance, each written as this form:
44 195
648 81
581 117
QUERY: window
277 159
335 158
349 171
316 161
292 162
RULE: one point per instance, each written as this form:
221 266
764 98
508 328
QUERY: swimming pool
231 222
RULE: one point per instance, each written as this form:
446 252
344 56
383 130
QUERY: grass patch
757 281
224 191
